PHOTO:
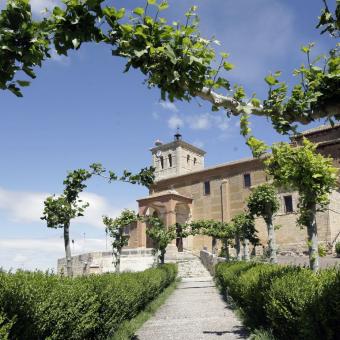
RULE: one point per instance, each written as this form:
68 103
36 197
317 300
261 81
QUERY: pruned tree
245 232
115 227
302 169
263 202
60 210
174 58
217 230
161 237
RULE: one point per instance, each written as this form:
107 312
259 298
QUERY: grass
261 334
128 328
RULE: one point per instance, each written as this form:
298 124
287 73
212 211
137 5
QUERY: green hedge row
292 301
35 305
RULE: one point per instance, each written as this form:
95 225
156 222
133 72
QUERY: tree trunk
238 248
117 261
68 249
271 236
161 257
246 256
226 249
213 245
156 257
312 231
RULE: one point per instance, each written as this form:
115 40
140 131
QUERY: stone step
191 268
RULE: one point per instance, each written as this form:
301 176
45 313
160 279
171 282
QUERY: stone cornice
177 143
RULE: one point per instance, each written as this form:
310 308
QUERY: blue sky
83 109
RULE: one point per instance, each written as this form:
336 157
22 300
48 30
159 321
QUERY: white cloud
22 206
207 121
202 121
42 253
198 143
38 6
260 35
155 114
168 106
27 207
199 122
175 121
62 59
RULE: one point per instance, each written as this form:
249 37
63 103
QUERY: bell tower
176 158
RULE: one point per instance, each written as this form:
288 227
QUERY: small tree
301 168
245 232
60 210
263 202
217 230
161 237
115 228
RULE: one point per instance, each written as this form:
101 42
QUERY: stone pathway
194 311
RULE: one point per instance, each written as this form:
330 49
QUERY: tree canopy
173 57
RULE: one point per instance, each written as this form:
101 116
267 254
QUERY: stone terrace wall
101 262
209 260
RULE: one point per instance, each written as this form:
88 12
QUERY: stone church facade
185 190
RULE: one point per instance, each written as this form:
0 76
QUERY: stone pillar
225 201
190 242
170 219
141 227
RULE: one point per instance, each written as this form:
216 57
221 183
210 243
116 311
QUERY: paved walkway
194 311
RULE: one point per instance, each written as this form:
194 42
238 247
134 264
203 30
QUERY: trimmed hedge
292 301
35 305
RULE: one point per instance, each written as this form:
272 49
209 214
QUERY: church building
186 190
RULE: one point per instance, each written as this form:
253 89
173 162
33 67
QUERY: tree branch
231 104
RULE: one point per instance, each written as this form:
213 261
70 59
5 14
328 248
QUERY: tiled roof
319 128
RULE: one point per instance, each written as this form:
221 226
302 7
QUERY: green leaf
224 55
305 49
23 83
139 11
75 43
120 14
170 53
256 102
151 2
271 80
140 53
228 66
163 6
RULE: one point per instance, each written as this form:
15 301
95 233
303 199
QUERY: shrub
288 302
39 306
293 302
337 248
327 305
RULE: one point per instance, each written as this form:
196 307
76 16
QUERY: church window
188 159
162 161
247 180
207 188
170 160
195 161
288 204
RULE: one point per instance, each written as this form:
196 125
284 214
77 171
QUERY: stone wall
209 261
334 218
101 262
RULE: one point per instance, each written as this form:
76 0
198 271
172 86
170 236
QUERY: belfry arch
171 207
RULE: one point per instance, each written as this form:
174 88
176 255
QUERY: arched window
170 160
188 159
195 161
162 161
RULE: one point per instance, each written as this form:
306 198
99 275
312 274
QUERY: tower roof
175 144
